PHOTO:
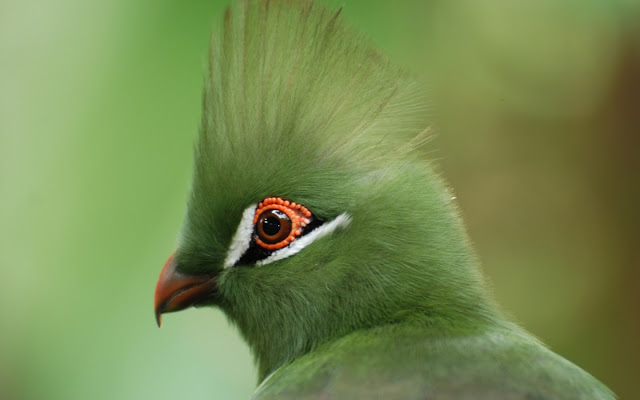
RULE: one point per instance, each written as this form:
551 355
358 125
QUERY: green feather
299 106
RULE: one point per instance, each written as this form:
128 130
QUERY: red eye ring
298 215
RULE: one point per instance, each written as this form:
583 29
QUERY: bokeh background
537 106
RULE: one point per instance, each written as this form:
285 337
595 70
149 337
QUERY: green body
393 306
410 361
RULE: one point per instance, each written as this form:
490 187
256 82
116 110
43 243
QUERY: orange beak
176 291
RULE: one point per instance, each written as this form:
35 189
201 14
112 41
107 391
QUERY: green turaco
317 226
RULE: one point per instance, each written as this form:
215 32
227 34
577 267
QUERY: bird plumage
389 305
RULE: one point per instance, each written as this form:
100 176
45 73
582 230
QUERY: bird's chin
209 301
176 291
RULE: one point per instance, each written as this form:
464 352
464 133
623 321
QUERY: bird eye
275 229
279 222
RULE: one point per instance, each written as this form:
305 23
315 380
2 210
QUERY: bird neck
281 345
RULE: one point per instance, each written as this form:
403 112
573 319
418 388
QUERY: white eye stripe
340 221
242 238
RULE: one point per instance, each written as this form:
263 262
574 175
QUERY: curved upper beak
176 291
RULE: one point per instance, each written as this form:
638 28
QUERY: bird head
313 211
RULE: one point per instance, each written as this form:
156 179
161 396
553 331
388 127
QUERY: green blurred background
537 107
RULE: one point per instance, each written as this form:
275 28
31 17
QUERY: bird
318 224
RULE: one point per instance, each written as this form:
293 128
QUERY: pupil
271 226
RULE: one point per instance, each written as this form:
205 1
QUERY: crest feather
290 76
